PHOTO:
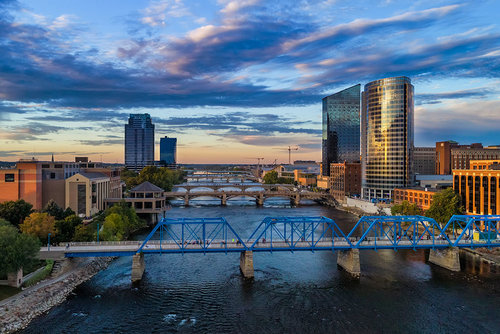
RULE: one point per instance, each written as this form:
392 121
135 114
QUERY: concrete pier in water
246 264
447 258
349 261
138 267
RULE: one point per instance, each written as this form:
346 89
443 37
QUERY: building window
45 166
9 177
58 166
52 175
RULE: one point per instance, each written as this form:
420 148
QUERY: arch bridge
291 234
240 186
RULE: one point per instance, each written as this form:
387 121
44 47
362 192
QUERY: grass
7 291
41 275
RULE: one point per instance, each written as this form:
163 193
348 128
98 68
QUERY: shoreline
18 311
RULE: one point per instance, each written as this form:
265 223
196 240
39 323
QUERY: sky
236 80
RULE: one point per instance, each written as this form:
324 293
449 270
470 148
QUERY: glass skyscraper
139 142
168 150
387 136
341 127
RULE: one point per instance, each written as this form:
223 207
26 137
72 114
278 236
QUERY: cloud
434 98
159 11
29 131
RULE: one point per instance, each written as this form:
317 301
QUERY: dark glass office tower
341 127
168 150
139 142
387 130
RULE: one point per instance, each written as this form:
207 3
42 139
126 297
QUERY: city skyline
233 80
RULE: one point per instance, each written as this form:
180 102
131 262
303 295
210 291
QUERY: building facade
387 127
22 182
139 142
345 179
450 155
479 187
340 141
86 192
168 150
421 197
424 160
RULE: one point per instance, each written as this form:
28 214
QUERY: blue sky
236 80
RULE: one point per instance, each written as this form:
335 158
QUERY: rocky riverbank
17 312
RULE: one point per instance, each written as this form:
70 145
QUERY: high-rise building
424 160
387 130
341 128
139 142
168 150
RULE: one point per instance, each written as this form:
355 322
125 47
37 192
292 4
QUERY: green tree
15 211
162 177
54 210
406 209
16 250
65 228
271 177
39 225
444 205
85 233
114 227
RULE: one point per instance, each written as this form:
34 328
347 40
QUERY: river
303 292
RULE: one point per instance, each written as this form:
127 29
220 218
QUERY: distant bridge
241 186
221 177
260 196
215 235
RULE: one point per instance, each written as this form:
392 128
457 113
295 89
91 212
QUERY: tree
120 220
271 177
114 228
162 177
39 225
65 228
15 211
444 205
406 209
54 210
16 250
85 233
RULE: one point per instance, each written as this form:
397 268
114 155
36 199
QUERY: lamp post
48 243
97 232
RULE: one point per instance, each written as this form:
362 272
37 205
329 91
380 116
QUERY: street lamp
48 243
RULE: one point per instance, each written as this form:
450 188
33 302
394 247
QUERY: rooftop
146 187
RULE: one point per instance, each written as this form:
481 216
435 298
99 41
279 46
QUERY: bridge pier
349 261
447 258
15 279
138 267
186 200
295 200
260 199
246 264
223 200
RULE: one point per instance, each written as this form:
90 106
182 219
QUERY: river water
303 292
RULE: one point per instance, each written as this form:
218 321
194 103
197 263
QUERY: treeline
272 178
162 177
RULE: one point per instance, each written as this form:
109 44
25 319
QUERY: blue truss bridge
292 234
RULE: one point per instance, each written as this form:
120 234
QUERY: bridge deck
219 246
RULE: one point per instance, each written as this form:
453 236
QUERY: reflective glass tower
387 136
139 142
168 150
341 127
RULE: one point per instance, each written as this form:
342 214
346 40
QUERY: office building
387 130
450 155
139 142
340 140
168 150
479 187
345 179
85 193
424 160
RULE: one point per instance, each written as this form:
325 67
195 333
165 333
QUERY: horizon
235 80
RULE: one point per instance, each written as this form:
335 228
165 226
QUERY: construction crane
290 149
258 165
